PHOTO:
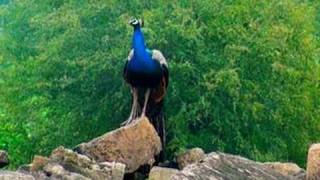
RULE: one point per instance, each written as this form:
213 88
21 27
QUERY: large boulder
4 159
224 166
191 156
133 145
313 164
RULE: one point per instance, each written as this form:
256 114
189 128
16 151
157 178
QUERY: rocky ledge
4 159
122 153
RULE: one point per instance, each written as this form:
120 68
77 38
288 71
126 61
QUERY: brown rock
225 166
194 155
4 159
38 163
161 173
313 164
134 145
286 169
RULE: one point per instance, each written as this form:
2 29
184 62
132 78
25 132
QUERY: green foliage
244 74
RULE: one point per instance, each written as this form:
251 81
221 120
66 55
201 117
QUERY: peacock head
136 22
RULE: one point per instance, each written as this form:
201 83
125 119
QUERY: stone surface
4 158
107 158
77 163
224 166
313 163
117 170
56 171
161 173
70 158
69 165
38 163
286 169
9 175
133 145
194 155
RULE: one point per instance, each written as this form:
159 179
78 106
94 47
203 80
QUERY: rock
313 163
70 158
194 155
286 169
38 163
69 165
55 170
161 173
117 170
9 175
77 163
224 166
4 159
58 172
133 145
26 168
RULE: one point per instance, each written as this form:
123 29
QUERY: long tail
156 116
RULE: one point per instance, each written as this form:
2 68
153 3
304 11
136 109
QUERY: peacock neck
138 44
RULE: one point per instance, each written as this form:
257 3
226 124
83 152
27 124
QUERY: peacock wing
125 72
159 93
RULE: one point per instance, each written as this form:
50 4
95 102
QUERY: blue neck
138 44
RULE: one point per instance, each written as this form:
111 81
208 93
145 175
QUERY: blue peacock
146 72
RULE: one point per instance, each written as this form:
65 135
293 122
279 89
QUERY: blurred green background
244 74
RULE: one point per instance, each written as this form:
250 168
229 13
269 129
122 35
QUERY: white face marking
134 22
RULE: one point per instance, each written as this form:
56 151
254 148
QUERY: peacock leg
134 107
146 98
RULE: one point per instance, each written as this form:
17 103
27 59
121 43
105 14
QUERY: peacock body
146 72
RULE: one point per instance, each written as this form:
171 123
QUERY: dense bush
244 74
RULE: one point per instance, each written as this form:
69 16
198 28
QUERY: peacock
146 72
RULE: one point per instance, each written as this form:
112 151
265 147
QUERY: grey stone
10 175
225 166
117 170
162 173
77 163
